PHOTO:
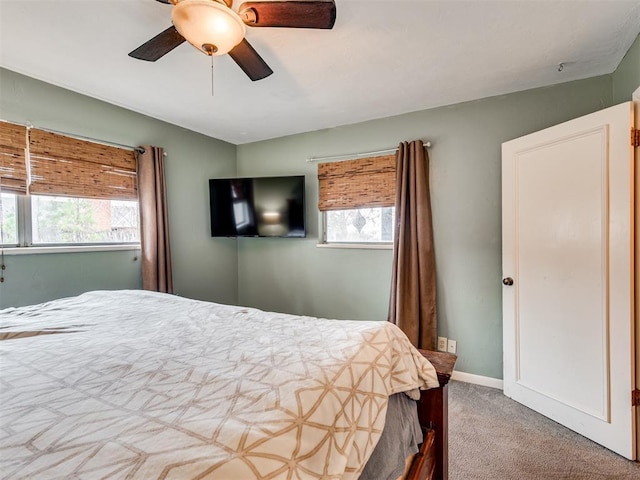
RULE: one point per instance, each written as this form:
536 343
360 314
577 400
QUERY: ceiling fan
214 28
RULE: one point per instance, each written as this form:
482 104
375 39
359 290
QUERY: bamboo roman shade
365 182
13 164
67 166
60 165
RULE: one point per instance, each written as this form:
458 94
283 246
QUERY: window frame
358 182
25 235
23 217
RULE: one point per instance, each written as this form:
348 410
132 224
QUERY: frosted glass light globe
206 22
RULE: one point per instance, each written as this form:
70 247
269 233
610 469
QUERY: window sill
362 246
68 249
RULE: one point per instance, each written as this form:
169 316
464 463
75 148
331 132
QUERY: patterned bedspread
132 384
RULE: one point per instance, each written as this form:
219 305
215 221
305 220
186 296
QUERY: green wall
37 278
296 276
203 268
626 78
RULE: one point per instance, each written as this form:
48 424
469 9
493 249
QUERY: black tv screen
257 207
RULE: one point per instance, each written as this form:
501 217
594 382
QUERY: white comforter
132 384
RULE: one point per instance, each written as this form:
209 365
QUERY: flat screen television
257 207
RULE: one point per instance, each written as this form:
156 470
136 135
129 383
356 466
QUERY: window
68 220
9 220
360 225
357 200
79 192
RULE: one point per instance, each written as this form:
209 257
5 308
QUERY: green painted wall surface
297 277
626 78
203 268
39 278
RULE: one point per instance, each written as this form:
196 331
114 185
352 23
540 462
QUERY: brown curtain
413 289
154 225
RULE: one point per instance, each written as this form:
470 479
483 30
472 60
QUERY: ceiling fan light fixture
206 23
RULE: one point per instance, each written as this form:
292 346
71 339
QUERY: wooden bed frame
432 461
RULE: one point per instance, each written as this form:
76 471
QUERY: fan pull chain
210 49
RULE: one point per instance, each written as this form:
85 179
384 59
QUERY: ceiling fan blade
158 46
294 14
250 61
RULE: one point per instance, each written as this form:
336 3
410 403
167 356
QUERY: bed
135 384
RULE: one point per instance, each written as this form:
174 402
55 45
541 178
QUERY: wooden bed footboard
432 461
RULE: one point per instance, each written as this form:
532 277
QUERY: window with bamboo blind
13 178
356 198
80 192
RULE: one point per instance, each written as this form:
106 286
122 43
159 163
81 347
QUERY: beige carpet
492 437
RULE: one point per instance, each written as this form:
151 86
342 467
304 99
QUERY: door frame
636 230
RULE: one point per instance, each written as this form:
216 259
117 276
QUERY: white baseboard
477 379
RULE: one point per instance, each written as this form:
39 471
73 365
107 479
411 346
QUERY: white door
568 246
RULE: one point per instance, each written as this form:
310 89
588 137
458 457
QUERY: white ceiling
382 58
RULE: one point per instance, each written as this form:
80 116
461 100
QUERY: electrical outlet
442 344
451 346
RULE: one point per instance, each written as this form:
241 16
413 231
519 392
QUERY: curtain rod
80 137
348 156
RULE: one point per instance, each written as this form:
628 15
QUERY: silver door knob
508 281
